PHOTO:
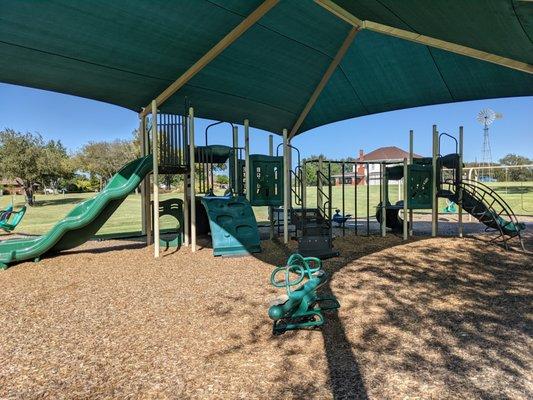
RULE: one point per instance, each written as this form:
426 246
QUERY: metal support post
435 200
383 224
271 208
247 157
236 185
186 189
367 199
155 177
286 187
144 153
406 182
459 185
405 219
192 180
355 198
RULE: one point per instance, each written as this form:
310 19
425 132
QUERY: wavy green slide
83 221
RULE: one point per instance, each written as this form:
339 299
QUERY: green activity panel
266 180
419 178
173 208
419 187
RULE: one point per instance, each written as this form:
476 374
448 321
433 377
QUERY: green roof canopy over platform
281 70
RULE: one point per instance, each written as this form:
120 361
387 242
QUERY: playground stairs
486 206
313 233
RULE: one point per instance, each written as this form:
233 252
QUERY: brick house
389 154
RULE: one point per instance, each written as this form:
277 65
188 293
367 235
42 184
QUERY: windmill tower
486 117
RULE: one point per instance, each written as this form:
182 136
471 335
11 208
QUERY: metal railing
488 214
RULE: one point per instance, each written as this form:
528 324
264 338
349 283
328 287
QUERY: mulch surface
442 318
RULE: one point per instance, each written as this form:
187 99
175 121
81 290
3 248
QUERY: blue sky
76 121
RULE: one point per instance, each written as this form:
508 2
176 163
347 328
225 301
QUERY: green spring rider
301 307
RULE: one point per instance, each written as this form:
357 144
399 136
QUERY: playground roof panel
126 53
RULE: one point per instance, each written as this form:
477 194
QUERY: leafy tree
336 168
28 157
55 164
515 174
20 154
222 179
104 159
136 142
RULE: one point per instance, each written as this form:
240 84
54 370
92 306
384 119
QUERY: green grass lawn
51 208
519 196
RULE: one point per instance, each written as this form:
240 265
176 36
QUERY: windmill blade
486 116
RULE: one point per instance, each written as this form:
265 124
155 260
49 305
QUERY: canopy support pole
406 183
145 185
434 198
459 186
346 16
226 41
271 208
323 82
248 172
236 186
286 186
192 202
405 195
186 187
384 191
155 177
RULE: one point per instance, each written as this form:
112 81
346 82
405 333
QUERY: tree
222 179
336 168
136 142
21 155
516 174
55 164
104 159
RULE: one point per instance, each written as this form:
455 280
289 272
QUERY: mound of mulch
432 319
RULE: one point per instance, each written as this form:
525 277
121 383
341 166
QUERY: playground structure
301 307
167 112
264 180
425 180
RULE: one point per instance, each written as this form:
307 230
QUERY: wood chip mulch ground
430 319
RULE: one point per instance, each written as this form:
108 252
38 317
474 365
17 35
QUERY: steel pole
155 177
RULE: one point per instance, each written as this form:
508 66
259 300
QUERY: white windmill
486 117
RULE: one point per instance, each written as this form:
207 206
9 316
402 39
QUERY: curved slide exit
83 221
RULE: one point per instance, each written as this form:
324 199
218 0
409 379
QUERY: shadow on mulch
104 249
494 314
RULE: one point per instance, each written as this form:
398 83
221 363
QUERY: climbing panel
233 226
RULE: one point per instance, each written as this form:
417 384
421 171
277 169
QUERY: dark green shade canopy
128 52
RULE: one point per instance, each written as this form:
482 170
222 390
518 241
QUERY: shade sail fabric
126 53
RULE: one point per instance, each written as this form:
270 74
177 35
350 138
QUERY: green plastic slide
83 221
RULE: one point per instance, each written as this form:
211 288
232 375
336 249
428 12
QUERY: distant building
12 186
390 154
